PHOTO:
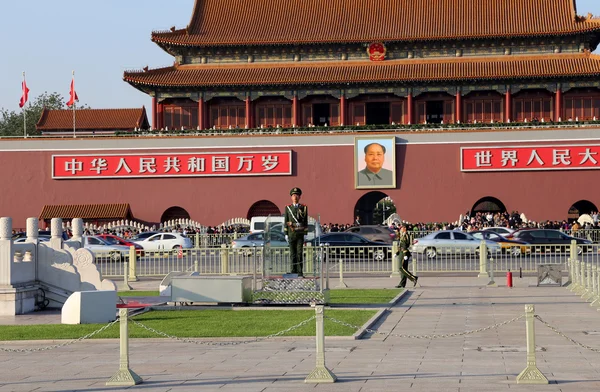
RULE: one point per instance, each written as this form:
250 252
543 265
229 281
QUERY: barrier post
132 264
595 290
310 266
342 284
126 285
483 273
531 374
589 288
492 282
224 259
197 242
195 265
395 260
124 376
320 374
581 288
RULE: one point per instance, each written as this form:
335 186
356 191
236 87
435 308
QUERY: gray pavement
485 361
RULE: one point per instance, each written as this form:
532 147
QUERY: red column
161 119
558 105
248 113
458 116
343 110
154 112
295 111
201 113
410 108
508 106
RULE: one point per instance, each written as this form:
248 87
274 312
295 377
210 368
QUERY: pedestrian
404 254
295 228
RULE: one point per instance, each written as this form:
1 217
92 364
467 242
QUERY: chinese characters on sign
530 158
262 163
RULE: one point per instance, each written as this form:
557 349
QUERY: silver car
258 239
450 241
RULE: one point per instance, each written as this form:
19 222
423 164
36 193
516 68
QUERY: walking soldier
405 254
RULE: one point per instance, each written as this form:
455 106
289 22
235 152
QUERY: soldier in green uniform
405 254
295 227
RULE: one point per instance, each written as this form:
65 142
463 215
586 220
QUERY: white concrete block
90 307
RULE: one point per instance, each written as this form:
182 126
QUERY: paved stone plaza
485 361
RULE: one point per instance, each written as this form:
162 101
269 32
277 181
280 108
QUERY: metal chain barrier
433 336
39 349
556 331
187 340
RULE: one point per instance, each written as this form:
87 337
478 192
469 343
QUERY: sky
98 40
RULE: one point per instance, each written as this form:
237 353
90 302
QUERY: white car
503 231
162 241
101 248
450 242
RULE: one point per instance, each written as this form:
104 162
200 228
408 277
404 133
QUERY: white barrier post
132 264
320 374
342 284
124 376
126 285
531 374
395 260
483 273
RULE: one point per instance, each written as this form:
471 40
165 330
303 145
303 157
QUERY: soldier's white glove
286 238
405 257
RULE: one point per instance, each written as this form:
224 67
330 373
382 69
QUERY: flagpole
24 114
74 108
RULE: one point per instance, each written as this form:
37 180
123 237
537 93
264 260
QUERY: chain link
39 349
556 331
433 336
186 340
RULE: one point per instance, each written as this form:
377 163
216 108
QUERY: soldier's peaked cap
296 191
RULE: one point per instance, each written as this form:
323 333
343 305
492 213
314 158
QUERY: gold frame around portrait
390 156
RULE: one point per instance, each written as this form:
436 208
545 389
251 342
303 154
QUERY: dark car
41 233
353 246
549 239
375 233
116 240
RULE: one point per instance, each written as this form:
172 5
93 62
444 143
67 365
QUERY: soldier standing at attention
405 255
295 227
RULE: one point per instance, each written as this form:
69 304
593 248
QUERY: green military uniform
404 254
295 227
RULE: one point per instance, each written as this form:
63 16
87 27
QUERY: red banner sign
573 157
264 163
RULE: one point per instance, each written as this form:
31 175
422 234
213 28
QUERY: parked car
116 240
553 240
514 247
23 239
162 241
143 235
365 248
450 241
258 239
503 231
377 233
101 248
41 233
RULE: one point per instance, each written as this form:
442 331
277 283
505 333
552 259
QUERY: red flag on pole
25 94
72 95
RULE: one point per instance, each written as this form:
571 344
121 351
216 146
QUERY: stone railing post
77 225
321 374
124 376
33 230
308 260
483 273
133 264
6 252
531 374
56 230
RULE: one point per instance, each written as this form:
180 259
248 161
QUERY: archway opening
488 204
373 208
174 213
580 208
263 208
